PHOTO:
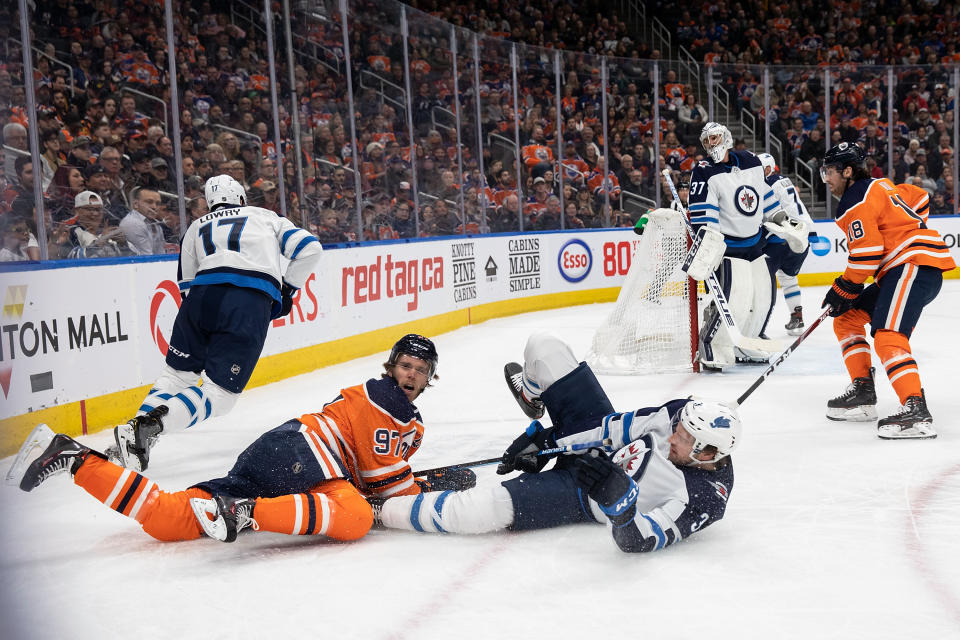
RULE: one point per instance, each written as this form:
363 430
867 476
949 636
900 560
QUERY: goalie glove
793 231
705 255
521 455
842 296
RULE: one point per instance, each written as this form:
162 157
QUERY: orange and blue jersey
886 226
367 434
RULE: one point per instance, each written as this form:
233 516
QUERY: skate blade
857 414
39 437
893 432
203 508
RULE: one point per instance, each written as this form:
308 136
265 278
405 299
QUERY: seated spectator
403 223
159 177
507 216
16 235
98 181
549 217
141 226
329 230
89 237
939 205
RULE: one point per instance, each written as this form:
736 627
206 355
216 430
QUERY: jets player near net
786 247
309 476
666 473
888 239
729 202
233 285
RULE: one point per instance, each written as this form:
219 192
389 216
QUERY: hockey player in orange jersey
888 239
309 476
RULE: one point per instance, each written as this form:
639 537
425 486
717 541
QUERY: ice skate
513 373
64 454
223 517
913 421
795 326
136 438
857 404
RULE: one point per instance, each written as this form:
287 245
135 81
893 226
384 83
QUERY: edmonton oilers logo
820 245
747 200
166 291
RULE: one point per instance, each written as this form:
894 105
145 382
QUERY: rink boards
81 342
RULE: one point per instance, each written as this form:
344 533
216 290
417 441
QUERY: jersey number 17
233 238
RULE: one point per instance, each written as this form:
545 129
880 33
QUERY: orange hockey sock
165 516
849 329
894 350
335 509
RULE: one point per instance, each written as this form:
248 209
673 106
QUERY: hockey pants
335 508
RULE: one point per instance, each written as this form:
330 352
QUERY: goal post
653 325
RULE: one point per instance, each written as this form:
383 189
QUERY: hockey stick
545 452
756 344
783 356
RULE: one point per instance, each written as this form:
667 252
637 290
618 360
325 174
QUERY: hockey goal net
653 325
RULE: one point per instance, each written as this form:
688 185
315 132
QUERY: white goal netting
649 329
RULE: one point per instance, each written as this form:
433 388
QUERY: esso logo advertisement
820 245
574 261
163 309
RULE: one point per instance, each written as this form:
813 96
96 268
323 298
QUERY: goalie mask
224 190
722 142
711 423
416 346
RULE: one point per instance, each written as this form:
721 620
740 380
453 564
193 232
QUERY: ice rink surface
830 532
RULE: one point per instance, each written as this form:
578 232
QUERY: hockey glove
286 299
606 483
521 455
842 296
455 479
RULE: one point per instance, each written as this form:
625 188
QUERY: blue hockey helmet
416 346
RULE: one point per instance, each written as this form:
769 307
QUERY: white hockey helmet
711 423
719 150
223 189
767 161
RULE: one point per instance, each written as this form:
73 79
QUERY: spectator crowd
108 162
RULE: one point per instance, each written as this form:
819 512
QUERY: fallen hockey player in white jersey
669 474
788 242
233 284
729 201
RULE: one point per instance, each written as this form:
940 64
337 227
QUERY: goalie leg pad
479 510
715 348
705 254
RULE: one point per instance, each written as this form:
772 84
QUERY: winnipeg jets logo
721 490
720 422
747 200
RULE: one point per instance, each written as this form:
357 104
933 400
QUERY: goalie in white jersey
233 282
729 202
669 474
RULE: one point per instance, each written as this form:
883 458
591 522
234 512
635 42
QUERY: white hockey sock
791 290
547 358
478 510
